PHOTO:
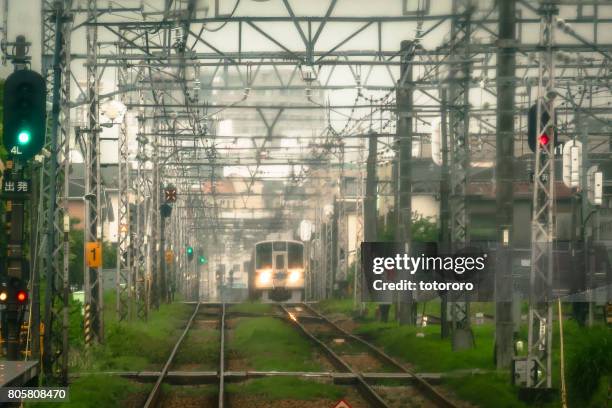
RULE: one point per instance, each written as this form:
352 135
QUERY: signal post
23 137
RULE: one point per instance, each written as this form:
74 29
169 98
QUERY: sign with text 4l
93 254
342 404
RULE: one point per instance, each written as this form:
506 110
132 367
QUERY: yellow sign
93 254
169 256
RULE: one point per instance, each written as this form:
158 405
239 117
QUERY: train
277 271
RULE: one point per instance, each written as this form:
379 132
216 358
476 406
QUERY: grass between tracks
252 308
274 388
588 356
199 351
268 343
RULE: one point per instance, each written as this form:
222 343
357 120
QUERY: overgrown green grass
252 307
589 368
431 353
201 347
271 344
275 388
490 390
98 391
124 346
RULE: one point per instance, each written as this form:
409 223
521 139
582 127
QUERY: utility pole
407 307
504 174
369 204
94 319
459 126
444 236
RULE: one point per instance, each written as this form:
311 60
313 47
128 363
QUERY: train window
280 261
296 255
279 246
263 258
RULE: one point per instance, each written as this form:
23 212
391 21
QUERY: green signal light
202 260
189 250
23 137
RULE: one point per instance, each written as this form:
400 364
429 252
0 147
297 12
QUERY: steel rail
221 372
432 394
153 397
366 390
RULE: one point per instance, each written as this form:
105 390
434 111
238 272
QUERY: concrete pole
407 308
504 176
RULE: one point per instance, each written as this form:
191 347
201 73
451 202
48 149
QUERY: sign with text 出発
15 187
93 254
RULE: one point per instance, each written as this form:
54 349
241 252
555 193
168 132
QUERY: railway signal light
3 296
541 135
24 114
189 253
21 296
202 259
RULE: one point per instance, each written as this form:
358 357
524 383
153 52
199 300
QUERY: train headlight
265 277
294 276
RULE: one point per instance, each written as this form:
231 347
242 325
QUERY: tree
424 229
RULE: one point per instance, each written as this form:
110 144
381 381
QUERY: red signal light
544 139
22 296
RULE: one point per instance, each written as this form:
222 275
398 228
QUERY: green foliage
589 364
76 257
424 229
109 255
275 388
270 344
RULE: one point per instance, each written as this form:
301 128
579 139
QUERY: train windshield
263 256
295 253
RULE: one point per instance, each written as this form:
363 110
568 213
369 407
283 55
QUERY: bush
589 362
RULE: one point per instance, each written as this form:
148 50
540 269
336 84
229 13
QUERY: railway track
153 397
179 377
323 332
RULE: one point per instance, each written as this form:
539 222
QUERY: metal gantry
180 63
539 346
53 234
124 281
